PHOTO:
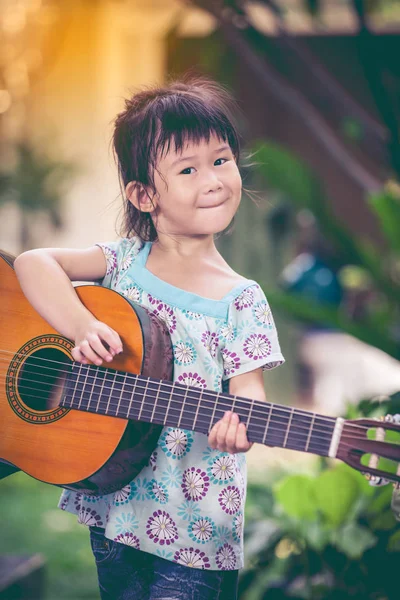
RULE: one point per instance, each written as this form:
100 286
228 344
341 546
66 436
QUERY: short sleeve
251 338
119 256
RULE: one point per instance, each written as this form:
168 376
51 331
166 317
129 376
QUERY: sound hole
42 377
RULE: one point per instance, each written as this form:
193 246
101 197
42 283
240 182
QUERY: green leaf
394 542
383 521
336 490
353 540
387 209
381 501
316 534
295 494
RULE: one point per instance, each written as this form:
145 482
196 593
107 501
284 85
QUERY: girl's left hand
229 435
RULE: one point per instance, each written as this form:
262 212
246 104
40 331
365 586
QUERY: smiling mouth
214 205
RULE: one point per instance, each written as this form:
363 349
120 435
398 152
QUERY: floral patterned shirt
187 504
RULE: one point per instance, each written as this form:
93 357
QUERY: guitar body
83 451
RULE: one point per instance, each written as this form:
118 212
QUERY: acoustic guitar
92 429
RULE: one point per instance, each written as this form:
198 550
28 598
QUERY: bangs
181 119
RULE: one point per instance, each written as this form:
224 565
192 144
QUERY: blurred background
318 86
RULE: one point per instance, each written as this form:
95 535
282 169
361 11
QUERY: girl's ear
138 195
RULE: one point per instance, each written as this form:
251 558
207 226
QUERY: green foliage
31 522
375 268
327 535
36 184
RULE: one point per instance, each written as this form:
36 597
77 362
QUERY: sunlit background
318 86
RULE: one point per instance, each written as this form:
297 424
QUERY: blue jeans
125 573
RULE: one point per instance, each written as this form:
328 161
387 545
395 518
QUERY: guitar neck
115 393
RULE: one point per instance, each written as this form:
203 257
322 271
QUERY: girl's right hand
89 343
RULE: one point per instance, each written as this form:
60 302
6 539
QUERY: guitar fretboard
115 393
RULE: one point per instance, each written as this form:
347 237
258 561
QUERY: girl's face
201 192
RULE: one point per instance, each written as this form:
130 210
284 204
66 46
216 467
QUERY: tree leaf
336 491
295 494
354 540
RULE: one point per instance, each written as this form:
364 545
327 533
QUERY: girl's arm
45 277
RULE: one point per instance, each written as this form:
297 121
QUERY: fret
197 411
288 429
132 395
249 415
267 425
109 392
123 391
94 375
309 433
76 382
278 425
321 437
83 387
181 411
143 397
117 389
169 402
94 392
213 412
155 402
102 385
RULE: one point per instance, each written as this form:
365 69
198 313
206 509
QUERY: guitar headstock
370 446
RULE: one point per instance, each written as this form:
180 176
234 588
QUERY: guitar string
194 390
270 434
202 422
254 406
343 444
168 384
261 405
277 442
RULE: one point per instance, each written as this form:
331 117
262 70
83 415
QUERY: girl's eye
184 172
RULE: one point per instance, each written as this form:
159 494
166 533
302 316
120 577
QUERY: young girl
175 532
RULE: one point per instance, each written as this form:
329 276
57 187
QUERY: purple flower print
89 517
154 301
230 499
111 258
195 484
64 502
78 501
192 379
245 300
225 557
210 342
161 528
166 314
129 539
231 362
153 460
192 557
257 346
